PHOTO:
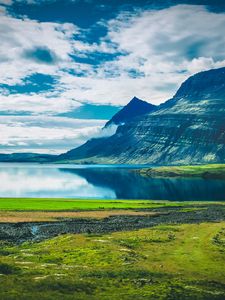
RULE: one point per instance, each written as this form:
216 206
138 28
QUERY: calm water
119 182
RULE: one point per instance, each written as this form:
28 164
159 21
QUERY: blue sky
67 66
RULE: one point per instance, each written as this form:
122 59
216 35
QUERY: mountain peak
136 99
134 108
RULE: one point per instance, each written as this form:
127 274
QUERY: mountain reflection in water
128 184
63 181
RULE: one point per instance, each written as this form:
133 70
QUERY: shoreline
210 171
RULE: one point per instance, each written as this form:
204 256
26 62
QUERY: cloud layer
152 52
144 52
46 134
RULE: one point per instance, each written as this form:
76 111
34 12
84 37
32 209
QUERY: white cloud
21 36
115 90
163 46
204 63
45 134
36 104
106 131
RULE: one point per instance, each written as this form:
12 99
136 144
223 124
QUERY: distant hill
26 157
187 129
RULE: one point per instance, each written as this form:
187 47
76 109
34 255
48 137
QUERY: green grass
207 171
164 262
76 204
53 204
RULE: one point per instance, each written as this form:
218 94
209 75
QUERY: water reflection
127 184
47 182
107 183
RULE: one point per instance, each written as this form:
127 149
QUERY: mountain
26 157
187 129
136 107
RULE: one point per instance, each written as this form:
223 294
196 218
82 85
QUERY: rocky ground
37 231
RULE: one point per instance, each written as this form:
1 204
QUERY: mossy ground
163 262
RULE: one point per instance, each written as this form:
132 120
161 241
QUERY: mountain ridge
187 129
27 157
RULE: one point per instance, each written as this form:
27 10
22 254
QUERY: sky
67 66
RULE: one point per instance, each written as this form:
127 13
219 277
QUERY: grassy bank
216 171
164 262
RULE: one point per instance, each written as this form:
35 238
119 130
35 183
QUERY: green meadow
163 262
54 204
75 204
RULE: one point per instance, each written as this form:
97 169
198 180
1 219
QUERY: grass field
164 262
207 171
35 204
72 204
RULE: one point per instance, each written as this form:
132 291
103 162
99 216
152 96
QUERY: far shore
209 171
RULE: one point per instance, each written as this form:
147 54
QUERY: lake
103 182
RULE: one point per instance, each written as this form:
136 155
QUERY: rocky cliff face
134 109
187 129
